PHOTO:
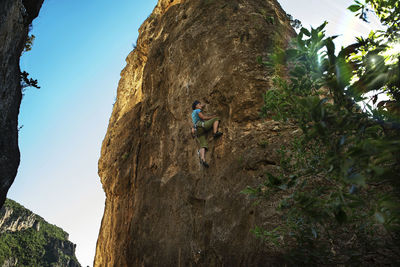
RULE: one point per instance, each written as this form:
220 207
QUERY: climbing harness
199 124
195 126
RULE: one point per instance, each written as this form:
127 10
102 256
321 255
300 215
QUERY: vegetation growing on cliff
25 80
29 43
340 179
35 246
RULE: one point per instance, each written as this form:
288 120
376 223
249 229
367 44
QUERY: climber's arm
204 117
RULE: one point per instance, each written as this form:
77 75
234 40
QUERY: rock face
15 18
26 239
163 208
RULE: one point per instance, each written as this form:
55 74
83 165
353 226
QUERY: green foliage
270 20
25 80
377 56
125 156
29 43
28 82
294 22
32 247
342 175
388 12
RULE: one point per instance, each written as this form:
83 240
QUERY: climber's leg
203 145
203 154
215 126
213 123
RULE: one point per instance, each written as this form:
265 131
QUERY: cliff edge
162 207
15 18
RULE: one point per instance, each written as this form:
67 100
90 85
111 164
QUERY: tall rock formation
26 239
15 18
162 208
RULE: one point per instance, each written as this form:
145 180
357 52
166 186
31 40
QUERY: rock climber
202 124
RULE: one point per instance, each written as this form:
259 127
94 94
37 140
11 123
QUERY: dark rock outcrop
26 239
15 18
162 208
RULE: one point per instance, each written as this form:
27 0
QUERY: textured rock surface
26 239
162 208
15 17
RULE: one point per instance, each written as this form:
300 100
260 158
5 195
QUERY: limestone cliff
26 239
162 208
15 18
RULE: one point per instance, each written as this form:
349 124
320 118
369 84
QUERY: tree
342 175
27 82
29 43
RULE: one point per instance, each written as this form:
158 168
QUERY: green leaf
283 187
341 216
354 8
273 180
330 47
305 32
249 191
298 71
344 72
314 232
379 217
292 53
357 179
322 26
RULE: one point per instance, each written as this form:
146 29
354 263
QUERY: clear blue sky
77 57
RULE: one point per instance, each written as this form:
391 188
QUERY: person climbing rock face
202 124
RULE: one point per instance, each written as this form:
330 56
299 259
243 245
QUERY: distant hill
26 239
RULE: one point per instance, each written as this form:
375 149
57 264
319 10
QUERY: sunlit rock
163 208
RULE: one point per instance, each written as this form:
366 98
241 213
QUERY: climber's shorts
203 131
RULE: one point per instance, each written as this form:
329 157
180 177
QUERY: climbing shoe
217 134
204 163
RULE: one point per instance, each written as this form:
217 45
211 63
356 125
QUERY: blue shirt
195 116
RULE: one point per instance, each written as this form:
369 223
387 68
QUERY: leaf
249 191
283 187
349 50
341 216
344 72
330 47
373 130
357 178
378 170
291 53
305 32
314 232
300 42
322 26
353 189
273 180
330 168
354 8
379 217
298 71
383 103
342 140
